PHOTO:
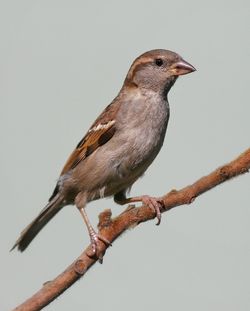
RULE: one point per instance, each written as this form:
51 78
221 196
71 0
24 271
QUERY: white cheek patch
101 126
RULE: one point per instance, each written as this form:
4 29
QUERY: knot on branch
225 172
79 267
190 199
244 170
104 219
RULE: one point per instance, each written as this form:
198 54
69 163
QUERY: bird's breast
141 132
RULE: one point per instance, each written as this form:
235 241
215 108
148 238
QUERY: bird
119 146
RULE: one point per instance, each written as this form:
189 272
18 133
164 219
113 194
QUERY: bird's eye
159 62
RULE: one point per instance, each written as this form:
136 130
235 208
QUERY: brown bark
131 217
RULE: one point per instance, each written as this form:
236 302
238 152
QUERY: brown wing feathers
96 137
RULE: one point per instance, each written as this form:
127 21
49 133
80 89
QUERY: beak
181 68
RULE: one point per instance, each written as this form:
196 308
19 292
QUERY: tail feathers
30 232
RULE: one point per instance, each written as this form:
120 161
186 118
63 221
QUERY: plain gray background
61 63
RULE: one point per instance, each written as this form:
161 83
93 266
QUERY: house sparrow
119 146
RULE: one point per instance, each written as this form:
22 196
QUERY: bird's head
157 70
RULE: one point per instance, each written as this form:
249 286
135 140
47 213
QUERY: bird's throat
169 83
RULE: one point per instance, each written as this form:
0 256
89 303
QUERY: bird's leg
80 202
94 237
152 202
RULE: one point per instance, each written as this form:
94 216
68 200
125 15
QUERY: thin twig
112 228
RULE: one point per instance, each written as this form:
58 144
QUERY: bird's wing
99 133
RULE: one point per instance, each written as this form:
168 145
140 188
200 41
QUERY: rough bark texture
131 217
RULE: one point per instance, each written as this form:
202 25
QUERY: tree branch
131 217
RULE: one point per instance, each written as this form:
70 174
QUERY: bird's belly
133 157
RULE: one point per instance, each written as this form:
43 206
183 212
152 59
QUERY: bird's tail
29 233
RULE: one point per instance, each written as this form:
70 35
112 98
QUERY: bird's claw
94 237
155 205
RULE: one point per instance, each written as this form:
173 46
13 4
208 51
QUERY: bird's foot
155 204
94 238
